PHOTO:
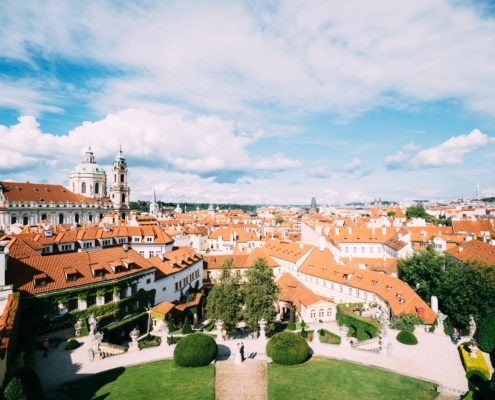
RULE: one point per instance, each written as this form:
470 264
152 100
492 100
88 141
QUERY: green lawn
331 379
315 380
151 381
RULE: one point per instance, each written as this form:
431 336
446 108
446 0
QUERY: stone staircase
110 349
372 344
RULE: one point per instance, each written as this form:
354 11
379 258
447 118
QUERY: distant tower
477 191
154 205
88 178
119 191
313 208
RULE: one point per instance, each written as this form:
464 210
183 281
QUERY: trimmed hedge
195 350
365 328
484 335
473 366
329 337
406 337
72 344
287 348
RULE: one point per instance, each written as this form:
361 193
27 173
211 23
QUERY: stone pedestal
262 322
219 325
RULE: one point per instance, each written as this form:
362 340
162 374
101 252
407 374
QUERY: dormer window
97 270
116 267
388 287
40 280
149 239
71 274
136 239
128 263
374 282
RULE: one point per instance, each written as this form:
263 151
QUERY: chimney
125 247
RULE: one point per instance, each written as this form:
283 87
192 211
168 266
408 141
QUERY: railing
110 349
372 344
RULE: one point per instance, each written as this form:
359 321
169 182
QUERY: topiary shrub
186 328
15 390
72 344
406 337
291 326
195 350
287 348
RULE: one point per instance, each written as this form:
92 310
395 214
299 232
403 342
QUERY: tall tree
423 271
225 300
260 295
462 289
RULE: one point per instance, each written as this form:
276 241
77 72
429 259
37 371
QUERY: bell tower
119 191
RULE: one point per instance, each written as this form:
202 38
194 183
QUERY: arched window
83 187
76 218
90 217
97 188
123 198
13 219
25 220
43 217
60 218
101 216
121 178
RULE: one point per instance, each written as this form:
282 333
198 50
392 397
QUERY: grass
332 379
151 381
315 380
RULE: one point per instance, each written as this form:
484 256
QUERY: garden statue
77 328
472 326
133 345
92 324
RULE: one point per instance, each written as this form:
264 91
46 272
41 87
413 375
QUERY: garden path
241 381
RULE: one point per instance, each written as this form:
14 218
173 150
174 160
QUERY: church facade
85 202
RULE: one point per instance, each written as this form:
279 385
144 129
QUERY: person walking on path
45 345
242 351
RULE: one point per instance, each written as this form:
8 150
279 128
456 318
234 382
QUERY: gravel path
241 381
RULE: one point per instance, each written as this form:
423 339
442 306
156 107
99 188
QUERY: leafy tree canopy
225 299
260 295
462 289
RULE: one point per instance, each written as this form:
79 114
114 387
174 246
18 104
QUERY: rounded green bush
406 337
287 348
72 344
195 350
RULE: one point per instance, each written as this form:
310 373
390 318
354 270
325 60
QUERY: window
97 187
321 313
83 187
313 313
362 250
148 281
329 312
108 297
72 304
134 289
91 300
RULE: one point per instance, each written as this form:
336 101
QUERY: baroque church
86 201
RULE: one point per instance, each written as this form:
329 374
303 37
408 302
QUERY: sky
253 102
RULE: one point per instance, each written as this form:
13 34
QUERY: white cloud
450 152
354 165
239 57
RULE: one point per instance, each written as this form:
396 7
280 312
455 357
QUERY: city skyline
253 102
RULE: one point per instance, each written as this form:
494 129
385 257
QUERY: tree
225 299
462 289
260 295
485 333
423 271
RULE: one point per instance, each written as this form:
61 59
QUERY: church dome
89 166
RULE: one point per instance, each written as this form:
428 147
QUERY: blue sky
269 102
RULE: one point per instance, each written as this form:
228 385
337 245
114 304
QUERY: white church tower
119 191
88 178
